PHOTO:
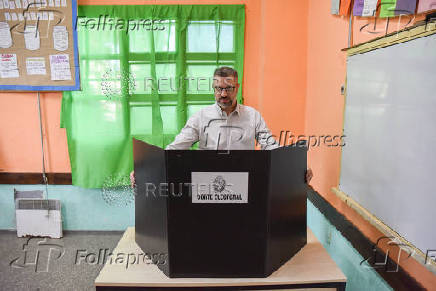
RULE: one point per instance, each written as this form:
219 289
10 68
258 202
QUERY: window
143 77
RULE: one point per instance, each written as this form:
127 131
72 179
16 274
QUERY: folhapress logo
39 254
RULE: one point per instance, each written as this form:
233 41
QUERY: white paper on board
51 3
39 15
35 66
369 7
7 16
18 3
25 4
14 16
31 37
45 16
6 4
5 35
20 17
11 5
57 3
50 16
60 38
60 67
1 4
32 15
8 66
219 187
64 3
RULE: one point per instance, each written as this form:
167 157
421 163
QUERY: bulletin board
38 45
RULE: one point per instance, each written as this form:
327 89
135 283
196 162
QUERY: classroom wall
294 68
274 83
326 70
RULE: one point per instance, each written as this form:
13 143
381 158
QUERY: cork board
38 45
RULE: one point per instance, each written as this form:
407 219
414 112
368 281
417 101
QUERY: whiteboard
389 158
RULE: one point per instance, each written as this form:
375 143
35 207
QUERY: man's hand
132 179
309 175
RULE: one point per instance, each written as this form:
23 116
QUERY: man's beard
226 105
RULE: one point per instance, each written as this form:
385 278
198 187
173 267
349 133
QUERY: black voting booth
220 239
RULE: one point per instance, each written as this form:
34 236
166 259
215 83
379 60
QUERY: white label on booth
219 187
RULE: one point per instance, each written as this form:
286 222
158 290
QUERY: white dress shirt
215 130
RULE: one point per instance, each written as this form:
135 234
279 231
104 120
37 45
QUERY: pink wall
20 143
281 66
325 75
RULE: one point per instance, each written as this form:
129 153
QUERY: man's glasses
227 89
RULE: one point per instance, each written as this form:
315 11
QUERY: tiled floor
70 263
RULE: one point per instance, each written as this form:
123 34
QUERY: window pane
165 74
101 69
202 37
200 78
169 118
142 76
94 40
140 120
166 78
109 113
101 77
110 89
164 37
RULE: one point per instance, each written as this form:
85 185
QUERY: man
225 125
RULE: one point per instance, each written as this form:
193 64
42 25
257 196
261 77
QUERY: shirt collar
221 112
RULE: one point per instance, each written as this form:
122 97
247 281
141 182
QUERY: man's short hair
225 72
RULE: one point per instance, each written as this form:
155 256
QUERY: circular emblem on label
219 184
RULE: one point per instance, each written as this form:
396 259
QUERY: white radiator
36 216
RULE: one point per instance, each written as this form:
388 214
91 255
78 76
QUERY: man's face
226 89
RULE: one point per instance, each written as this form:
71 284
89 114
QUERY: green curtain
144 70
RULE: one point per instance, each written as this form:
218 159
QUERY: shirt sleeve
187 136
263 135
